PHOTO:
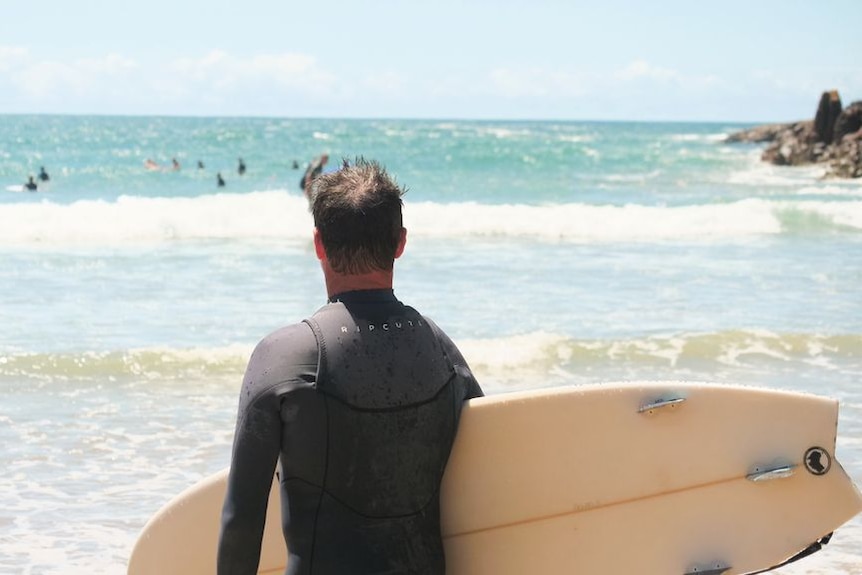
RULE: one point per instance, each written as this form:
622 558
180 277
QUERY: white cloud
808 82
294 83
516 83
49 79
213 68
287 67
388 84
643 69
45 79
216 82
219 82
108 65
220 71
535 83
12 57
545 85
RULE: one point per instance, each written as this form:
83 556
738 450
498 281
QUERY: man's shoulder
285 354
286 336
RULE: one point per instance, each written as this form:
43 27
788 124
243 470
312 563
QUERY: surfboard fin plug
763 473
668 403
714 568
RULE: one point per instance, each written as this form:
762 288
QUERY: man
358 405
315 168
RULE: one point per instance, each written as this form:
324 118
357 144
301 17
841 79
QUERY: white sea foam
592 223
813 215
760 174
533 353
536 350
851 190
133 219
642 177
277 215
502 133
699 137
151 363
843 214
515 352
576 139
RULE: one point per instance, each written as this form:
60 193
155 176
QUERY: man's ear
318 246
402 242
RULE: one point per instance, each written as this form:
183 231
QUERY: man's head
357 213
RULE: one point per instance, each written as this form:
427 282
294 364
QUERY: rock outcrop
765 133
833 137
827 112
849 122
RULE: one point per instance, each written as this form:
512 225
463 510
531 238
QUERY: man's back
368 408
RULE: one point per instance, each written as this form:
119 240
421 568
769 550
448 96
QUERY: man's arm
282 362
256 447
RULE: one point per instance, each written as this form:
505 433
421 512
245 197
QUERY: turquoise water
553 253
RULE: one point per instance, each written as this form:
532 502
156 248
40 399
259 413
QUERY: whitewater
279 215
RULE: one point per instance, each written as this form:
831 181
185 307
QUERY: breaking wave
536 352
278 215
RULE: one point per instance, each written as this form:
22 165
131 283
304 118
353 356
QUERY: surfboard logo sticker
817 461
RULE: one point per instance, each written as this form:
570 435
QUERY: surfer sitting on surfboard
31 185
358 405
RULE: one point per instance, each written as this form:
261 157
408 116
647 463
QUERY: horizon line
395 118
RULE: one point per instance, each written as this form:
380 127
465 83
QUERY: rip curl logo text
383 326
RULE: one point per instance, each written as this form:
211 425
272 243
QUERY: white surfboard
659 478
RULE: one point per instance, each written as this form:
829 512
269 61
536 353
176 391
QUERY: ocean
553 253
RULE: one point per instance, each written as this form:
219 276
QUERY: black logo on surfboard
817 461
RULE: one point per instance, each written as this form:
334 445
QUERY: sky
685 60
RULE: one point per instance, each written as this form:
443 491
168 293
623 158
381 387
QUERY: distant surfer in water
356 407
175 164
241 168
151 165
315 168
43 175
31 185
219 180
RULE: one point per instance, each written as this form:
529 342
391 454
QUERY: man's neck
340 283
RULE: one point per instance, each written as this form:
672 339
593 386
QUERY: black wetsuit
361 404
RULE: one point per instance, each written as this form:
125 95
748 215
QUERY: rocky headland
833 137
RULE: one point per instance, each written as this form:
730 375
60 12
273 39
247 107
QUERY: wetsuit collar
365 296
